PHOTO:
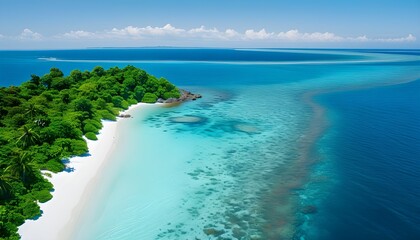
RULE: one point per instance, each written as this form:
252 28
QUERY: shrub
105 114
117 101
8 231
42 196
53 166
172 94
15 218
91 136
149 98
42 185
95 123
30 209
78 147
124 104
90 128
139 93
131 101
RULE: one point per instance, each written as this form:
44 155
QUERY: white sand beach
71 187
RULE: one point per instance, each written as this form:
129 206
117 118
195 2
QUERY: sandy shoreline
70 187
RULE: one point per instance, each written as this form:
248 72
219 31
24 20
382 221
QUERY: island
46 120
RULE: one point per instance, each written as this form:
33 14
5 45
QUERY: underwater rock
187 119
238 233
255 237
213 231
245 128
309 209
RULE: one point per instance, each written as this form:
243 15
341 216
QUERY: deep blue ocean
376 150
293 144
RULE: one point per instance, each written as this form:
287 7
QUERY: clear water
286 147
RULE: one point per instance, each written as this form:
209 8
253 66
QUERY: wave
244 62
51 59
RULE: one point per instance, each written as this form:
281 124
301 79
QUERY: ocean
285 144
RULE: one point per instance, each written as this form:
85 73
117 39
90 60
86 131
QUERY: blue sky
44 24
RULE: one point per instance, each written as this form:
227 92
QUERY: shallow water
256 158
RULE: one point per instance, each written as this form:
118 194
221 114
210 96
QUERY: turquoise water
275 153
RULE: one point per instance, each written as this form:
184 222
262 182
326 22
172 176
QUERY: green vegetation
43 121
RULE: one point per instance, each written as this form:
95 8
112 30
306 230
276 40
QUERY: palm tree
22 168
28 138
32 110
5 187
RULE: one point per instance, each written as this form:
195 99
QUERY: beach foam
71 186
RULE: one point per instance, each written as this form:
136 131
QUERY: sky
66 24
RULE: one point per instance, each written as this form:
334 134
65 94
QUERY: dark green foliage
91 136
131 101
90 128
43 121
42 196
61 83
5 187
29 208
22 168
139 92
117 101
78 147
98 71
105 114
125 105
53 166
28 137
96 123
76 75
149 98
83 105
55 72
172 94
36 80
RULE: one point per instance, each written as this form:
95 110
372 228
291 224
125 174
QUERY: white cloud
169 32
360 39
295 35
78 34
230 33
409 38
28 34
260 35
138 32
212 33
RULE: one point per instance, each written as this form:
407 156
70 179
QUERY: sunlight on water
250 160
233 165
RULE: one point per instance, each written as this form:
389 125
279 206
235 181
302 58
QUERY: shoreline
72 185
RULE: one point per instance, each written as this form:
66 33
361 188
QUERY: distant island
44 120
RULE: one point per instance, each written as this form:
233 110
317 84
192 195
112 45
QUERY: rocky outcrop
124 115
185 96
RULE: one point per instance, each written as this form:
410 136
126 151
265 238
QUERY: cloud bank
169 32
28 34
202 32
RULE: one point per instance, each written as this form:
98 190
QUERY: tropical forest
46 120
